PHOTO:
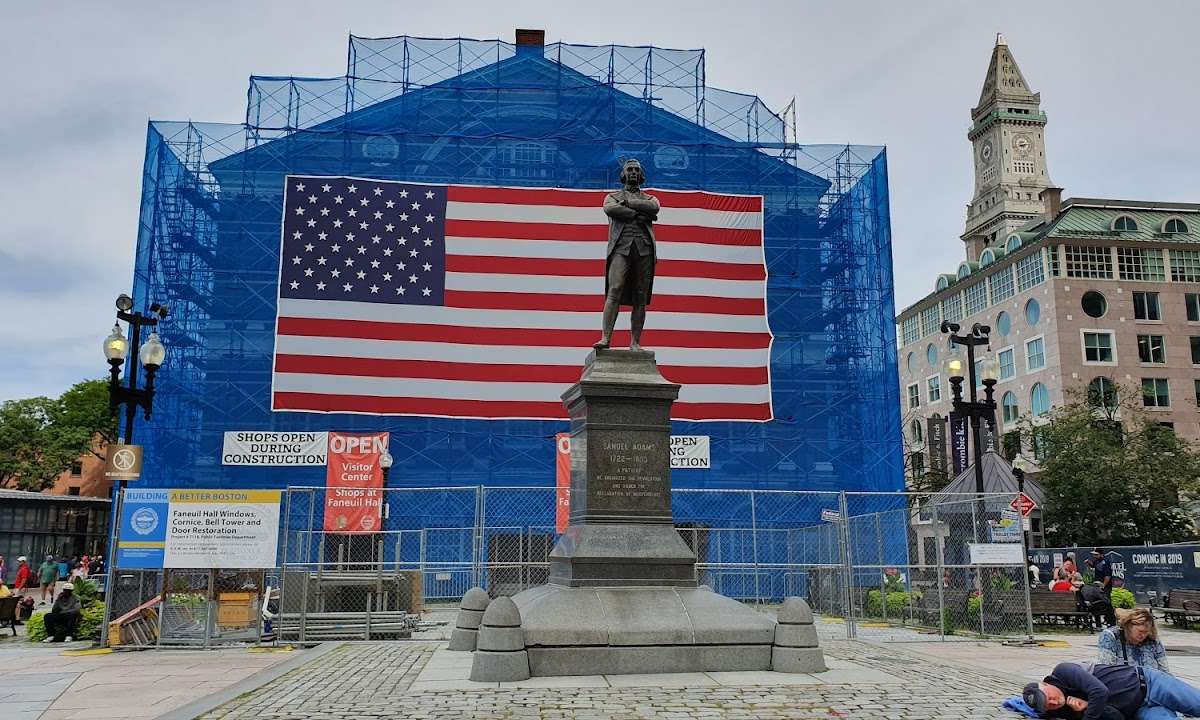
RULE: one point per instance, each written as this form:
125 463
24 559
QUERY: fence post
311 519
847 566
941 572
110 582
879 556
477 538
754 547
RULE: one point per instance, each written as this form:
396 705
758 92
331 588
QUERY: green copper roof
1084 220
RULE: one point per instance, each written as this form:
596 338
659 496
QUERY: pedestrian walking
25 579
1101 571
48 575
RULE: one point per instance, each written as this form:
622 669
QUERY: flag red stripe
595 268
574 198
317 402
499 229
479 300
383 367
414 332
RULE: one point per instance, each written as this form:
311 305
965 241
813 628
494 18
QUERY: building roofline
1110 204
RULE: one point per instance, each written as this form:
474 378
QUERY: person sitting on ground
1110 692
1133 641
63 618
1093 599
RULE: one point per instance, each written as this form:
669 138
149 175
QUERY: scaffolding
490 112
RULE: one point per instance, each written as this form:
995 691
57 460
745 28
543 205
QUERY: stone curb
205 704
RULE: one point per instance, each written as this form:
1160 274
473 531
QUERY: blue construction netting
489 112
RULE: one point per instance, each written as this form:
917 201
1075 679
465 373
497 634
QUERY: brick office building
1081 294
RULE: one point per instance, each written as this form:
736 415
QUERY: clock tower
1008 141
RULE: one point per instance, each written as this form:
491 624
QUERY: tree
1111 474
41 437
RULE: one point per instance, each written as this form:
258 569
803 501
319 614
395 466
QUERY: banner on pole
215 529
354 483
562 481
275 448
958 442
936 439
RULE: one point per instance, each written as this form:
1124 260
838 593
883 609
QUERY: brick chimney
530 40
1051 199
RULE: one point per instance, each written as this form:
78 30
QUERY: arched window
1003 324
1033 312
916 431
1125 223
931 354
987 257
1039 400
964 269
943 282
908 362
1102 393
1013 243
1175 225
1011 411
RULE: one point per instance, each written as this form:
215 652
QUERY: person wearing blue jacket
1111 692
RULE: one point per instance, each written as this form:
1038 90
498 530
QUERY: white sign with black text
275 448
690 451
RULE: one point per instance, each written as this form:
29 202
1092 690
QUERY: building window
910 361
916 432
1033 312
76 469
1035 355
1093 303
1145 306
1155 392
1023 167
1039 400
1084 261
73 490
934 388
952 308
1030 272
1195 350
1009 404
1192 300
987 257
908 330
1196 384
1175 225
929 321
1140 264
1098 347
976 298
1125 223
918 464
914 396
1008 364
1003 324
1102 393
1185 265
1055 269
1151 349
1001 284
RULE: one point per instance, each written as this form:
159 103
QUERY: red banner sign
354 482
562 473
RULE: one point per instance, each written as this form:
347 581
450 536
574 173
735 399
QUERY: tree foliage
41 437
1112 475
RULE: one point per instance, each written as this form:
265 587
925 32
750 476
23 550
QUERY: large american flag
464 301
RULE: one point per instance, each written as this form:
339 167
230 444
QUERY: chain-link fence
896 566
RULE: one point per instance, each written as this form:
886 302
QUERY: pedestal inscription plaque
622 531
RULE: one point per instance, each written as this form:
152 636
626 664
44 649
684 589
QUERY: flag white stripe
594 250
573 285
534 319
502 354
494 391
559 214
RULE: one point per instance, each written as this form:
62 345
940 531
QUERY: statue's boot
602 343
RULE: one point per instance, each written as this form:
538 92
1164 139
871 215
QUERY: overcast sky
1118 81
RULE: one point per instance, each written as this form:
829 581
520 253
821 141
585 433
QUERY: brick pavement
375 680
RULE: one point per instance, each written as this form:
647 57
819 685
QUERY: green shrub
974 604
90 621
1122 598
35 627
85 590
896 602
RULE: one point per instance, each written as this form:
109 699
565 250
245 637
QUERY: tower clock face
1022 144
985 152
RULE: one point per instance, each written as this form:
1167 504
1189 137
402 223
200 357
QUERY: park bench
1049 608
1182 606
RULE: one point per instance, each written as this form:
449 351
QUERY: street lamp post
1020 466
975 409
151 355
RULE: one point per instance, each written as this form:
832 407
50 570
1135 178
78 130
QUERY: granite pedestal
622 594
